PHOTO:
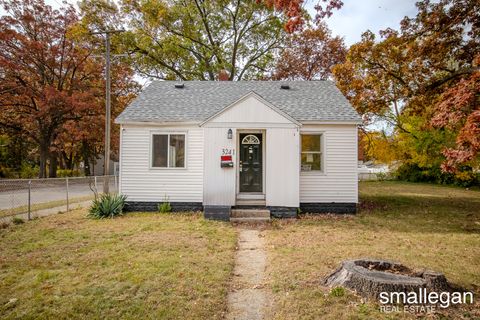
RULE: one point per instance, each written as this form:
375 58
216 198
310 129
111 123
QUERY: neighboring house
98 166
210 145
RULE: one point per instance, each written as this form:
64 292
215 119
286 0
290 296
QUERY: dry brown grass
422 226
133 267
179 266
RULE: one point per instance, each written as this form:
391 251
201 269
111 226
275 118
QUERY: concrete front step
250 220
250 202
250 213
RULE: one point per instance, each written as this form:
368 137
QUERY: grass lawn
420 225
137 266
179 266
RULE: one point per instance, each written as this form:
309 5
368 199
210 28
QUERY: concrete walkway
248 298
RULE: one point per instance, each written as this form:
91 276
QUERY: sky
357 16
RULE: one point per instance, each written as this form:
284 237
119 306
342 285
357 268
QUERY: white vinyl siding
140 182
219 182
281 158
282 166
338 182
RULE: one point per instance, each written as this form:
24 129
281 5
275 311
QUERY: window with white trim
312 152
168 150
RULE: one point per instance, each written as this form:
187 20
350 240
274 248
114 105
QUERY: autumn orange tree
46 79
417 77
84 140
310 54
458 109
51 88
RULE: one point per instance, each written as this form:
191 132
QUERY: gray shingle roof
198 100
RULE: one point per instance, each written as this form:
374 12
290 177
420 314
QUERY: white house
214 146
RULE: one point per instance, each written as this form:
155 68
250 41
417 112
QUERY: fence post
96 184
115 184
68 208
29 198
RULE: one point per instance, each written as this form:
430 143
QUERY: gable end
251 108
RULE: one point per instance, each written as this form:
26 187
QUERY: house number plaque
226 160
227 152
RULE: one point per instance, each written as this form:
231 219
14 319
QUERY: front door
250 165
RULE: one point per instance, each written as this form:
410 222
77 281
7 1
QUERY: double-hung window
168 150
312 152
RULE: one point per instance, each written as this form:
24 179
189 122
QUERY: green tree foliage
193 39
15 156
378 147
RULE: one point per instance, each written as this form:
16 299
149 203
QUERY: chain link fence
374 176
36 197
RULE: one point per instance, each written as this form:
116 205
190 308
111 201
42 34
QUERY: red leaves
47 79
455 157
293 9
310 55
457 102
327 11
459 109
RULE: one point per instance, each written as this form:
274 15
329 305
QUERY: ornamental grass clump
108 205
165 206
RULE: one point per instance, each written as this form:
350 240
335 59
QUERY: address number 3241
227 152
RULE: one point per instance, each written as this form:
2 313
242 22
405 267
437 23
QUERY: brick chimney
223 75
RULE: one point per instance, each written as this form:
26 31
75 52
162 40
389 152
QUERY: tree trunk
43 161
61 164
68 160
86 158
18 150
370 277
52 170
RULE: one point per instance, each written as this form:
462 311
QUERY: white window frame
250 141
167 133
321 152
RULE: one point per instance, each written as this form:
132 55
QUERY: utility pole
106 167
106 171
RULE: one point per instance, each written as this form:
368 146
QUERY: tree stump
370 277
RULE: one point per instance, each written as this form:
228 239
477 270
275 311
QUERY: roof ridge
305 101
241 81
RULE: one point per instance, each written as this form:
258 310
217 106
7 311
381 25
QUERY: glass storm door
250 165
